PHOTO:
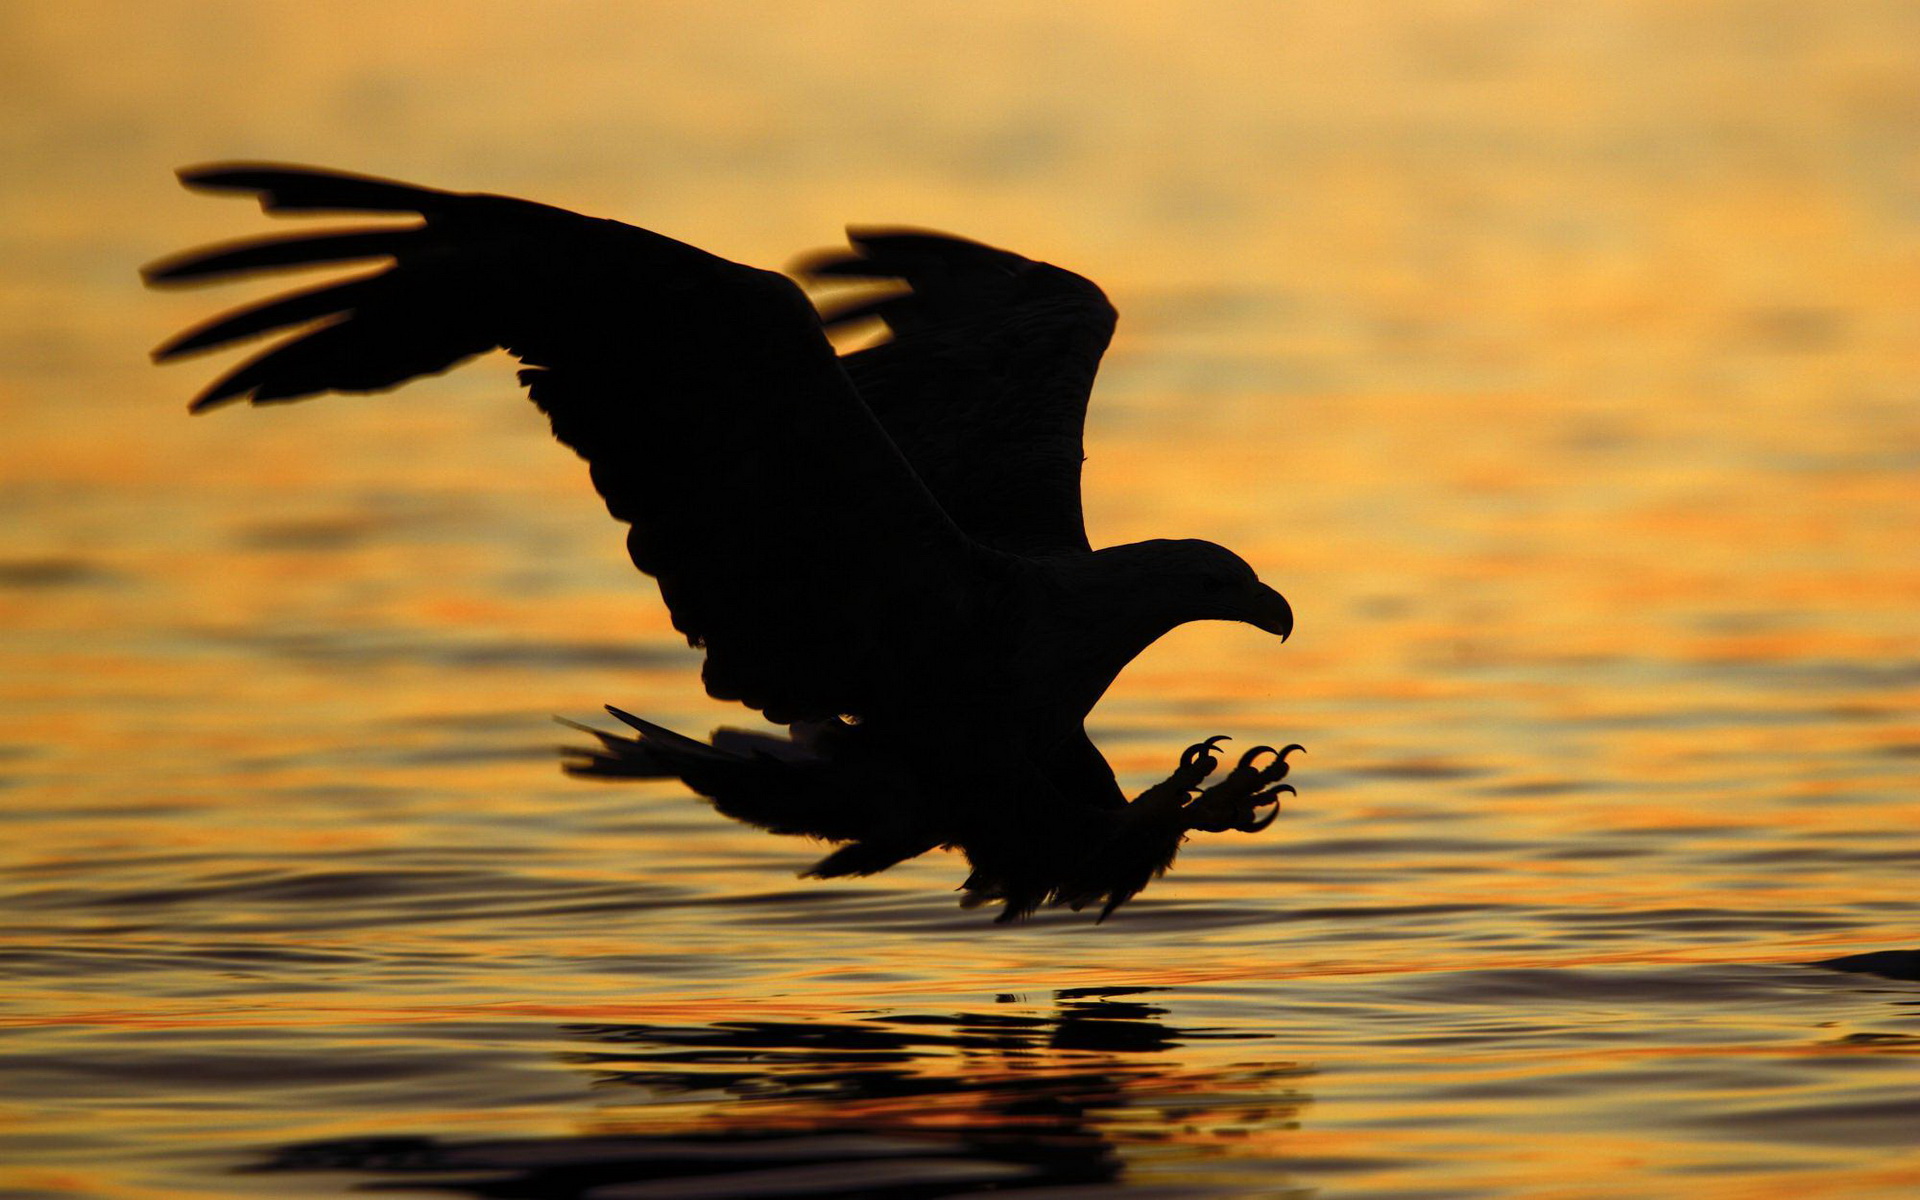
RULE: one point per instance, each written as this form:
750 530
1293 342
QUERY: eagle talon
1201 752
1254 824
1246 760
1237 801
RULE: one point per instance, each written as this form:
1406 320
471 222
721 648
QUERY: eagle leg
1171 795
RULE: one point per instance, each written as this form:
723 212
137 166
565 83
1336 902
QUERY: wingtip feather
249 256
292 187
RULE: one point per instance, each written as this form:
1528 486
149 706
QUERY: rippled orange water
1560 362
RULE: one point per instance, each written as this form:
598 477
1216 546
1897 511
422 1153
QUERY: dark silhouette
1893 964
897 1106
882 550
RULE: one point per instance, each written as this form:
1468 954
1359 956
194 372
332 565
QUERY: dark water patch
1745 622
472 753
1865 712
135 810
350 795
219 1082
1399 849
694 1166
85 965
891 912
276 887
1681 832
1536 787
360 755
906 913
104 864
565 655
283 901
1703 920
1885 1116
270 954
1815 673
788 898
631 899
1581 853
1702 717
32 574
1905 1042
1378 912
1890 964
1173 917
1733 989
1416 769
498 721
1816 856
91 961
1793 329
313 534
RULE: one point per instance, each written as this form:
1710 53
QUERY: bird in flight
881 550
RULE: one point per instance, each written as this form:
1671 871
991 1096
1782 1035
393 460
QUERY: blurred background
1559 361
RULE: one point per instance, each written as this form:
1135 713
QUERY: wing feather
254 255
789 536
296 308
984 380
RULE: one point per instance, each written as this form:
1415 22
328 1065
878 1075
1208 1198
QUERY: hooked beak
1269 610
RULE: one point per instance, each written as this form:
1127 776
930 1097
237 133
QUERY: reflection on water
892 1105
1557 361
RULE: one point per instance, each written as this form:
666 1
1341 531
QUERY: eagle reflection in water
901 1105
882 550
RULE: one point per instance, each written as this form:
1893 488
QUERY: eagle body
882 551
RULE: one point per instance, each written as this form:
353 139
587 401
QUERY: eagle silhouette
882 550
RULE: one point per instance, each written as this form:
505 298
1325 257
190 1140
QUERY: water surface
1558 363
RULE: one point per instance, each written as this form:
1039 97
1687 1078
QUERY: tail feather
761 780
662 738
867 858
796 792
616 757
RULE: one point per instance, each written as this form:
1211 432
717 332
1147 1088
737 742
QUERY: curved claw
1255 824
1246 760
1272 772
1290 748
1193 753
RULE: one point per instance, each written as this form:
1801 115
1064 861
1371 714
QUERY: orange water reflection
1558 362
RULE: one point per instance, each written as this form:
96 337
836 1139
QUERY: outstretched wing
789 536
984 382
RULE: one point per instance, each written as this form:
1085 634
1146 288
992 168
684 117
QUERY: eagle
882 550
